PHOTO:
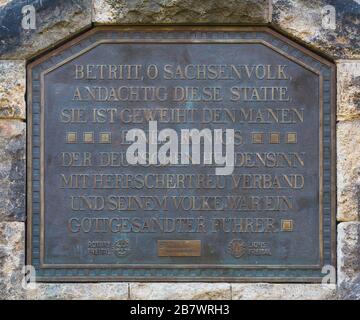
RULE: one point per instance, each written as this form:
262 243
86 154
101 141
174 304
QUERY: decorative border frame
180 34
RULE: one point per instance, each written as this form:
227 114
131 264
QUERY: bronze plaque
181 154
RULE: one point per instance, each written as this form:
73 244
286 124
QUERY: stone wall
56 21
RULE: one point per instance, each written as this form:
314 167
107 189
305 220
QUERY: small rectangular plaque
179 248
181 154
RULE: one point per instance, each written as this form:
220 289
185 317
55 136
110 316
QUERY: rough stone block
311 22
348 170
183 291
12 254
349 260
79 291
12 89
12 170
267 291
181 11
54 22
348 253
348 90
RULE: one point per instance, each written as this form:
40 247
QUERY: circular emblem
237 248
121 247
